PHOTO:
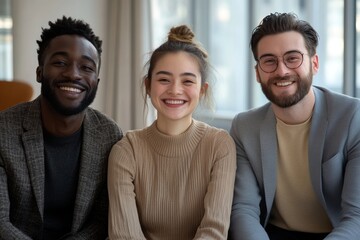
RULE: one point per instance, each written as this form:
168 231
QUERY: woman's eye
188 82
163 80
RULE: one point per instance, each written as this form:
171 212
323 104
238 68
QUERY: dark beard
49 94
303 88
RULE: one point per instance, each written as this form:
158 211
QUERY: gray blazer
334 159
22 174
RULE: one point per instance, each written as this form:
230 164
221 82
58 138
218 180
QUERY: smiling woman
184 169
175 89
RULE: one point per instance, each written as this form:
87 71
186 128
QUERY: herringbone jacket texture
22 174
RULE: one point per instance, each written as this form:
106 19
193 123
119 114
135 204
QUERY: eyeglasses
269 63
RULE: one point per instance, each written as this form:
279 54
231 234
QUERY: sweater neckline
175 146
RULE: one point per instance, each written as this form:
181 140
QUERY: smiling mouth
174 102
71 89
283 83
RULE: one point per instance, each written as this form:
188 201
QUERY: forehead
279 44
177 62
72 45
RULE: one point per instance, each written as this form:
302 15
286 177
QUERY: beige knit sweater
171 187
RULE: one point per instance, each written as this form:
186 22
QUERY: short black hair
67 26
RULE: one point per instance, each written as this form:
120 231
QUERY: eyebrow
273 55
65 54
170 74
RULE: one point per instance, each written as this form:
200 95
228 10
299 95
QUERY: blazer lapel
268 145
34 150
89 174
317 136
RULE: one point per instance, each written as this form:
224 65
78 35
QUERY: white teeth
70 89
174 101
282 84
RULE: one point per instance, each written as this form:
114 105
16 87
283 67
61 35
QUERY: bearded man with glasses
298 156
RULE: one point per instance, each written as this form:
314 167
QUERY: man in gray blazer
54 150
298 156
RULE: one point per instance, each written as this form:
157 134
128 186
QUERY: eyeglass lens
292 60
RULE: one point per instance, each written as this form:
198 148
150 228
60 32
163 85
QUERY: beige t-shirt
296 206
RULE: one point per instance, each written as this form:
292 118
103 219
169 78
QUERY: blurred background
130 29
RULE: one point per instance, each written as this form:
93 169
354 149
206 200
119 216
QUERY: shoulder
126 147
14 117
329 95
16 111
133 139
335 103
216 138
253 115
98 119
250 121
99 128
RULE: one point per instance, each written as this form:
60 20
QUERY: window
224 27
5 41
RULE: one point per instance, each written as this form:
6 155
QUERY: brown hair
180 38
283 22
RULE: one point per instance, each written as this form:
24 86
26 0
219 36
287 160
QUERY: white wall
29 16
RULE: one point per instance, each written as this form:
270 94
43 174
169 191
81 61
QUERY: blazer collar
91 152
34 150
269 154
317 137
268 146
93 158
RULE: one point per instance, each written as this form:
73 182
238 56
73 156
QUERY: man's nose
282 69
72 72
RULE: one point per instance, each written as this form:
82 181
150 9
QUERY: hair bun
181 33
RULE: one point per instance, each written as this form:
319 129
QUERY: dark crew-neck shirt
62 162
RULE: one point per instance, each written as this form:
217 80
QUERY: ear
204 88
315 64
39 73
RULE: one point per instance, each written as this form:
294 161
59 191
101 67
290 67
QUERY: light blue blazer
334 160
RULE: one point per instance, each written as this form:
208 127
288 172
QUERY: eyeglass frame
277 60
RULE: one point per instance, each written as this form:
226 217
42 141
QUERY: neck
298 113
57 124
173 127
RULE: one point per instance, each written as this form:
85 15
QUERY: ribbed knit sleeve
219 195
171 187
123 216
